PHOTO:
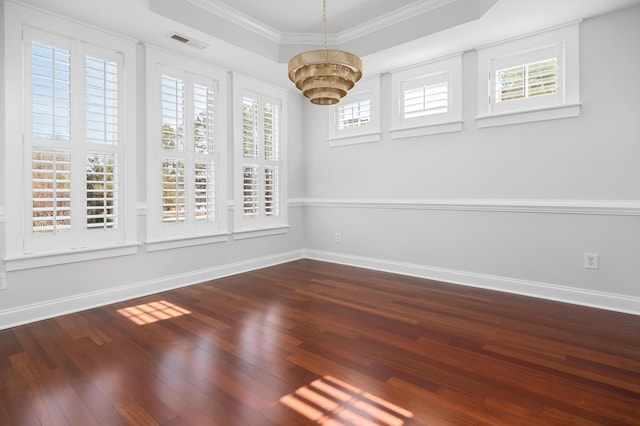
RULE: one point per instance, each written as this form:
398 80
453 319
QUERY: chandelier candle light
325 76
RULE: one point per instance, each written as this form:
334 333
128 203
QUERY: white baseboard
63 306
594 299
36 312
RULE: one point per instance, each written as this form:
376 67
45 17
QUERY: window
529 79
356 118
77 143
186 152
427 98
260 150
354 114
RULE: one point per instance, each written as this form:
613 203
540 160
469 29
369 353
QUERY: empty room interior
320 212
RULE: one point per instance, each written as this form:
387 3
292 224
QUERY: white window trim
246 228
450 67
157 59
17 17
566 39
364 89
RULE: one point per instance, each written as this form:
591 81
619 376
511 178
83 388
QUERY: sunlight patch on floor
151 312
329 401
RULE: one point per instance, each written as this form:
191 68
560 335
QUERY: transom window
356 118
354 114
427 98
529 78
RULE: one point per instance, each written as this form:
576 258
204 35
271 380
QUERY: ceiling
278 29
257 38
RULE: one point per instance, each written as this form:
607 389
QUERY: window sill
426 130
30 261
244 234
173 243
354 139
528 116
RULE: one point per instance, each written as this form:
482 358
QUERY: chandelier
325 76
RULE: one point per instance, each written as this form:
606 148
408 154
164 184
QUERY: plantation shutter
426 100
187 103
250 190
260 157
250 151
102 134
50 66
425 95
73 143
271 194
527 80
102 191
260 149
51 193
50 91
355 114
203 178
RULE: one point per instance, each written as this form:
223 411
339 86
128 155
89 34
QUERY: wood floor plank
309 342
20 411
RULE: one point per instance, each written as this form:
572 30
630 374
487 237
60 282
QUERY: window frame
250 227
446 70
563 42
81 243
160 235
367 89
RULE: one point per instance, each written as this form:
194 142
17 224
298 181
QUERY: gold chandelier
325 76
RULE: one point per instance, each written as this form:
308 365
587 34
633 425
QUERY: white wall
512 207
42 292
2 160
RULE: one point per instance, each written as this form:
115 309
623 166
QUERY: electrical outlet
338 237
3 281
591 261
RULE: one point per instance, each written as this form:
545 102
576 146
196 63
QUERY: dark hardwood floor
316 343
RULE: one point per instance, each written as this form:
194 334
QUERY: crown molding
241 19
247 22
395 17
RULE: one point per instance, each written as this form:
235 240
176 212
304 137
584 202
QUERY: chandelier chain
324 23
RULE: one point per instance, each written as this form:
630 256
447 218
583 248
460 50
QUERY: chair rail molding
557 206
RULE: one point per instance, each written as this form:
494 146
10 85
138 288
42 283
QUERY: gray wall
513 208
473 207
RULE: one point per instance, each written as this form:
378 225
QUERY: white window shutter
260 152
102 191
527 80
50 91
426 100
354 114
51 192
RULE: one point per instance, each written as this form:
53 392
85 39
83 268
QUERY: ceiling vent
188 41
